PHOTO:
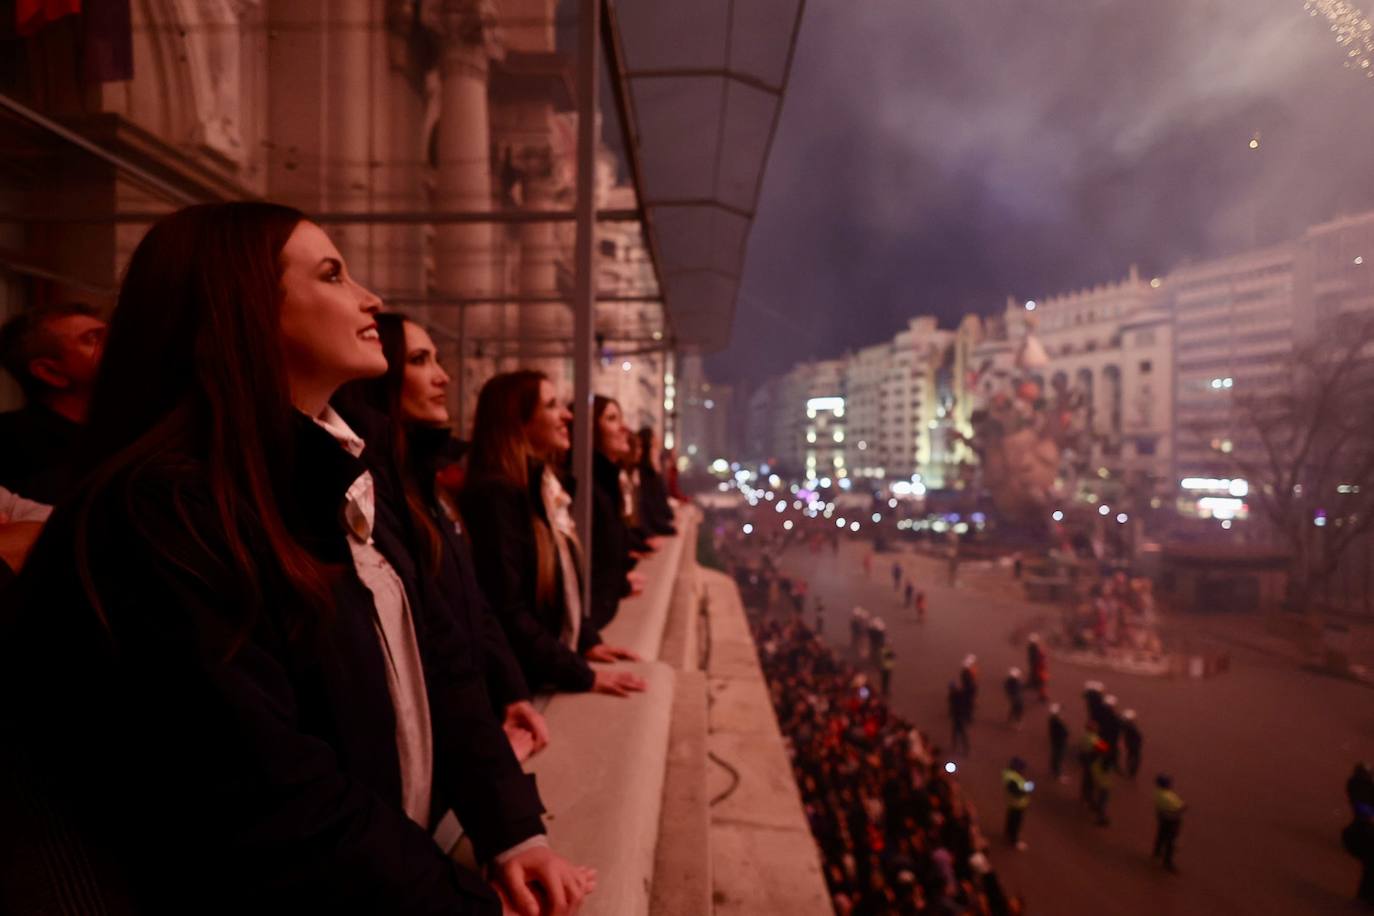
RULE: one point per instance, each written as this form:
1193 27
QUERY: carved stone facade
360 106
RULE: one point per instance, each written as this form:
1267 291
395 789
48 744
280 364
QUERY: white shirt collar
330 421
360 502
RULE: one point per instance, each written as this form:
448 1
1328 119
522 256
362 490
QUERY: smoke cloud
935 156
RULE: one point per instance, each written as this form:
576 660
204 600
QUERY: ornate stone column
465 253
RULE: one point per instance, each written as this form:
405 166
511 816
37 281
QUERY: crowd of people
895 831
253 581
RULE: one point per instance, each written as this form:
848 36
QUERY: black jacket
499 517
610 542
38 449
655 513
224 770
457 573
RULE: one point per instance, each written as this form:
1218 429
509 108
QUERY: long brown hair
203 291
383 395
500 449
501 452
600 404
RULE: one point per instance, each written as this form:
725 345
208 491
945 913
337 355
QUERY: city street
1260 754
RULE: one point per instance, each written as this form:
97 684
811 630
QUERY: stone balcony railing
681 796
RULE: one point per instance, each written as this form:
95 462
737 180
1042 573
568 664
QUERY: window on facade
1144 446
608 247
1145 367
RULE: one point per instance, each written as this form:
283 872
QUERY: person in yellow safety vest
1101 770
887 661
1018 789
1169 810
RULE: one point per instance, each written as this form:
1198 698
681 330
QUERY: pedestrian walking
1092 697
968 680
1012 687
1101 770
909 597
896 575
958 718
1037 664
877 636
887 660
1169 810
1132 740
1059 740
1109 727
1018 790
1085 762
858 628
920 607
1358 840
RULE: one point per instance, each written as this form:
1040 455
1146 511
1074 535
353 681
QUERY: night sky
935 156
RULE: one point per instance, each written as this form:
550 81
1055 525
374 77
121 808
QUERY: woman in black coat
410 403
655 512
225 679
529 558
612 538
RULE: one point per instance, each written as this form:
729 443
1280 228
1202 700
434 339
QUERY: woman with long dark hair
612 541
529 557
412 399
223 674
655 512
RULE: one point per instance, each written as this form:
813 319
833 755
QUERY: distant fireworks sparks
1352 29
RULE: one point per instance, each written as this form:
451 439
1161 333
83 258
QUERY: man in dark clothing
1016 707
1359 788
910 595
1131 738
968 682
958 718
1059 739
1358 840
896 576
53 352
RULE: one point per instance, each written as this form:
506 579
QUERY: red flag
32 15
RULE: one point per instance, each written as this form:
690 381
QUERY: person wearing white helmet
1109 726
968 682
1131 738
1012 686
858 627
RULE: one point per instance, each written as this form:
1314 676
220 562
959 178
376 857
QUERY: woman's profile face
612 438
547 429
328 333
424 384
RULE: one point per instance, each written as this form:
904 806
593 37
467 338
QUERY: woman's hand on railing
602 652
539 882
618 683
526 729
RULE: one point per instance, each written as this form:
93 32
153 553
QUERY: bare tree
1306 449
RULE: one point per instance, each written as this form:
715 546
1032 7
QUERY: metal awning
702 89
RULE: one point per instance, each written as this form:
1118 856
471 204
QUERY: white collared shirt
405 674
